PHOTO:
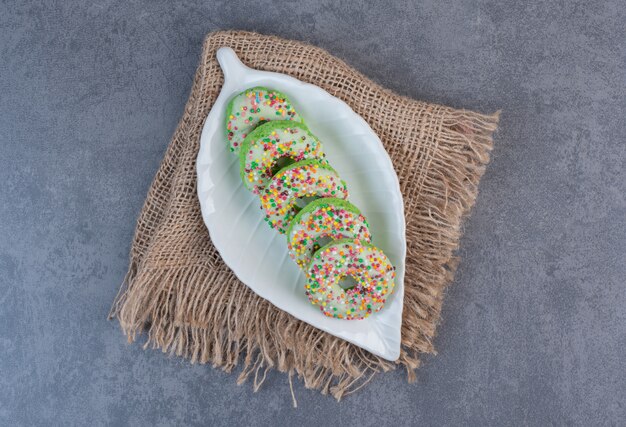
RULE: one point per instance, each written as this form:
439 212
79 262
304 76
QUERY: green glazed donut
301 180
303 197
327 218
271 144
252 107
367 265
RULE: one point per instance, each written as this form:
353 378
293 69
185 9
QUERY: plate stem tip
231 65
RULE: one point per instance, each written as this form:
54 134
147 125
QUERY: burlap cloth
189 302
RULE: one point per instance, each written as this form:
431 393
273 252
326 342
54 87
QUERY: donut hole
301 202
281 162
320 242
347 283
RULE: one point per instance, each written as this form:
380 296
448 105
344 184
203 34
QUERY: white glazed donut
253 107
271 146
367 265
302 180
324 219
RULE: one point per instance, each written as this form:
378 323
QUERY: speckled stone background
534 327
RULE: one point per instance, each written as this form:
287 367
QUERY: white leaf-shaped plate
257 254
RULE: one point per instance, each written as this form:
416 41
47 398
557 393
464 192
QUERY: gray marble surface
534 326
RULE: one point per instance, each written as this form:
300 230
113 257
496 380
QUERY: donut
273 145
252 107
302 180
324 219
370 269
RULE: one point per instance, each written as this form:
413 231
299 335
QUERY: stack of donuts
304 198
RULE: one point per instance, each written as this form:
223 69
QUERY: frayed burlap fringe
190 304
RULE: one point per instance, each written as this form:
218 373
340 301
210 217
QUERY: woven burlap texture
179 291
